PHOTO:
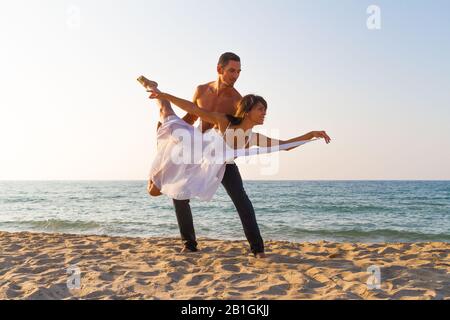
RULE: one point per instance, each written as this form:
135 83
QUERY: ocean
342 211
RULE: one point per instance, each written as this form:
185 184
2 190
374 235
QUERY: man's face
230 73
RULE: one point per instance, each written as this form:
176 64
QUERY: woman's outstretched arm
209 116
263 141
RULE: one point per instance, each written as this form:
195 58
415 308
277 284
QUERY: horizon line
123 180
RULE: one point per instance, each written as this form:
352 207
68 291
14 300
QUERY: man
221 96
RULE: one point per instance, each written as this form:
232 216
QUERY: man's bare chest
217 104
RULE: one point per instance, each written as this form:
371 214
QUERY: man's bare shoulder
202 88
235 94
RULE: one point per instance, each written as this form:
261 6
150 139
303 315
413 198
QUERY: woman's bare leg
165 110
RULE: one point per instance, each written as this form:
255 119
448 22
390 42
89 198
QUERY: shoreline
44 266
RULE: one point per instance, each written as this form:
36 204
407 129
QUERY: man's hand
321 134
189 118
152 189
149 186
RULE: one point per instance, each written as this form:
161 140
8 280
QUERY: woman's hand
321 134
155 93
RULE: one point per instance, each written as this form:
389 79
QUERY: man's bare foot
260 255
188 250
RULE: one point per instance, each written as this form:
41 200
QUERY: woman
200 177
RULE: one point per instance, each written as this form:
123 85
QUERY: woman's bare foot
152 189
260 255
148 84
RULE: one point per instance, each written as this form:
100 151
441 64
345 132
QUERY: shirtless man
221 96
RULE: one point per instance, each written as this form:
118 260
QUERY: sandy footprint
198 279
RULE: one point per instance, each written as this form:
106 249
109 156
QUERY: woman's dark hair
245 105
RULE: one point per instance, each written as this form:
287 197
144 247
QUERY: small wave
24 200
384 234
96 197
55 224
327 208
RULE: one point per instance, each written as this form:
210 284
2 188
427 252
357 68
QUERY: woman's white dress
182 172
196 176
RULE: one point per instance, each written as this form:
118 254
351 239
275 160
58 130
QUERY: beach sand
35 266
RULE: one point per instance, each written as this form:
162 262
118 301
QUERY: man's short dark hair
227 57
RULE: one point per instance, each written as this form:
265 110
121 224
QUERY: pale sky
71 108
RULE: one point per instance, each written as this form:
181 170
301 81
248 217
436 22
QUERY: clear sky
70 107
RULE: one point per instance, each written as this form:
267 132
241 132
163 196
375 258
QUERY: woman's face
257 113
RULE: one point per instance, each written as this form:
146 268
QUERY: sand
37 266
